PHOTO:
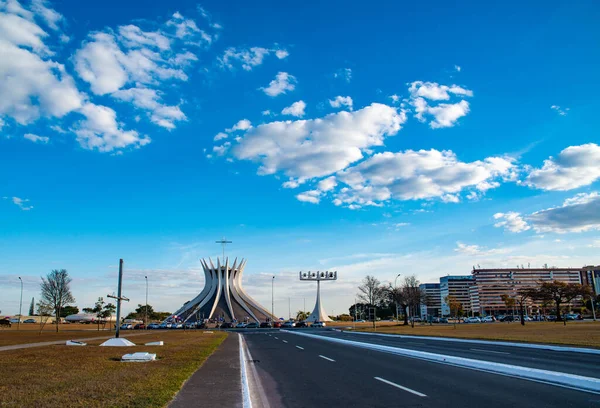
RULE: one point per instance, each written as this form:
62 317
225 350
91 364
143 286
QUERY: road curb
573 381
550 347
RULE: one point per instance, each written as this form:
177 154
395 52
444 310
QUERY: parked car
318 324
29 321
241 325
443 320
487 319
139 326
190 325
472 320
266 325
164 325
126 326
277 324
288 325
153 326
551 318
361 321
416 319
15 320
226 325
301 324
570 316
252 325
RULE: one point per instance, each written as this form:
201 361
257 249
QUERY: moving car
318 324
252 325
288 325
301 324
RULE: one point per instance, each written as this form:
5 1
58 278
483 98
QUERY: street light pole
20 305
396 295
146 323
289 308
272 297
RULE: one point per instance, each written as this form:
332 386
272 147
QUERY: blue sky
370 139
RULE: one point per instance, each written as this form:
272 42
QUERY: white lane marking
490 351
327 358
412 342
399 386
301 348
276 338
246 400
285 341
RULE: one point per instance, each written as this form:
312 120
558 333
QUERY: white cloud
559 110
395 98
149 99
327 184
318 147
340 101
31 84
220 136
457 68
575 166
511 221
249 57
311 196
101 131
266 112
295 109
243 124
282 83
291 183
577 214
443 114
399 225
435 91
344 74
476 250
20 202
36 138
414 175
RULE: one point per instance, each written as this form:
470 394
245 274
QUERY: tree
44 311
408 296
455 306
561 293
101 310
31 307
509 302
523 296
371 291
68 311
302 315
56 291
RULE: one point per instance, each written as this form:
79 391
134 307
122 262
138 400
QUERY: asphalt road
297 371
562 361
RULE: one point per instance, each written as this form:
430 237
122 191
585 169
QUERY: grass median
94 376
583 334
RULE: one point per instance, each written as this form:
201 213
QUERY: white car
14 320
488 319
472 320
288 325
126 326
241 325
318 324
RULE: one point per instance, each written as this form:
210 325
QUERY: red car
276 324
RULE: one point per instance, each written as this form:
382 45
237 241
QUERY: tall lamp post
146 322
396 295
272 296
20 305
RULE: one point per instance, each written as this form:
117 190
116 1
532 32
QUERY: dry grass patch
62 376
575 333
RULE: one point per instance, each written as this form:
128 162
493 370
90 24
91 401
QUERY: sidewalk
216 383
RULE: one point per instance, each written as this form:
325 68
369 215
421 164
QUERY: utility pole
146 322
593 308
355 307
119 298
289 308
20 306
396 295
272 297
